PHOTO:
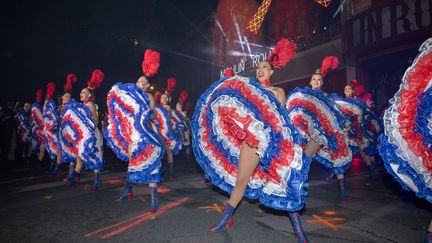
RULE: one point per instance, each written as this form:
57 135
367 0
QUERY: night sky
43 41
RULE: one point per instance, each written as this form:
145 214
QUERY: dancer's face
179 107
66 98
164 99
316 81
85 95
264 71
348 91
143 83
27 106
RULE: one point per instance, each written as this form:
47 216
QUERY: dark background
43 41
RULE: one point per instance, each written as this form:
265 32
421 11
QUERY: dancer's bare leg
247 163
79 165
59 157
311 148
170 156
363 155
41 154
170 160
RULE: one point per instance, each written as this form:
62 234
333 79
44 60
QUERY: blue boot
96 184
227 220
71 170
72 180
52 167
127 192
55 170
297 226
154 200
342 193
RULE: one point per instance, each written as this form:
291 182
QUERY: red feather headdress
183 96
358 90
188 106
353 83
70 79
368 99
157 97
171 83
96 79
50 90
150 64
39 95
228 72
329 63
283 52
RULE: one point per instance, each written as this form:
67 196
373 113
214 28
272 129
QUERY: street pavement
40 208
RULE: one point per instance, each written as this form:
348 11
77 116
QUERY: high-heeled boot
127 192
96 184
56 169
342 193
71 170
227 219
72 180
52 167
154 200
297 226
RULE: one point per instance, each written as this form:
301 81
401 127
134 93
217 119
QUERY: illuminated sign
248 63
377 26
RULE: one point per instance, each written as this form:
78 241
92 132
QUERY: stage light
258 18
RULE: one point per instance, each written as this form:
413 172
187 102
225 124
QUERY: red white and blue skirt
24 127
171 139
407 140
51 128
318 117
236 110
79 136
372 129
129 116
37 126
353 110
181 127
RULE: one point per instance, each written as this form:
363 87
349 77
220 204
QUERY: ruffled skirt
238 110
129 116
318 117
79 136
407 140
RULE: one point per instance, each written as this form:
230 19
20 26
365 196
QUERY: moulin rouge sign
247 63
397 23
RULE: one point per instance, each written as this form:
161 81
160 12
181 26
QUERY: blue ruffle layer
389 155
423 117
35 128
170 133
24 125
89 156
339 118
50 113
148 136
297 185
